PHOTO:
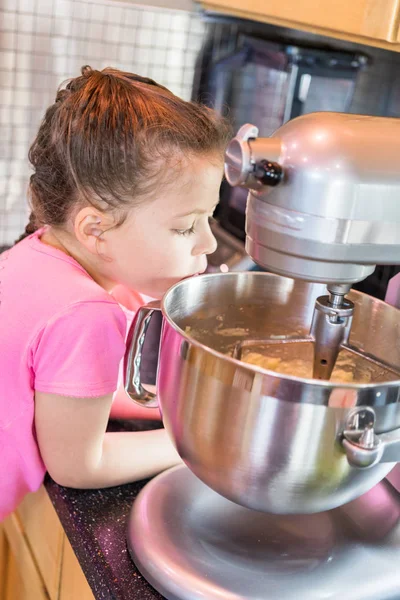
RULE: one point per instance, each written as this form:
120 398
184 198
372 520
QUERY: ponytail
29 229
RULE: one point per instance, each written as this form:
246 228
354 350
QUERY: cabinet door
23 580
73 582
16 587
4 559
45 536
374 19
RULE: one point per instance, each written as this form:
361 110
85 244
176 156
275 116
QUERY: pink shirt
60 333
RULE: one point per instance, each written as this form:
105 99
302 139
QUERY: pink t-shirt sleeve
78 352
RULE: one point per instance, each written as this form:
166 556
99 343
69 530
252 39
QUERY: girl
126 176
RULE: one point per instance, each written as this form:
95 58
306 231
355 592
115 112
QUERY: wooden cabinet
73 584
23 579
36 558
4 549
45 537
374 22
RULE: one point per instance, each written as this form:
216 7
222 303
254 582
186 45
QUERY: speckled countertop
95 522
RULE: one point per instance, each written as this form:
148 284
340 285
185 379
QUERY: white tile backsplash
22 98
26 23
178 40
60 65
59 46
42 62
144 37
158 56
112 52
15 187
128 35
7 78
8 5
6 96
8 20
112 33
98 13
175 59
25 42
25 6
142 60
95 30
5 112
132 17
23 60
115 12
163 20
17 168
125 53
78 28
44 7
19 152
179 22
23 79
7 59
148 19
63 8
7 40
80 10
61 26
43 24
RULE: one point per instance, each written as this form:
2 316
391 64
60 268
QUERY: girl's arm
78 452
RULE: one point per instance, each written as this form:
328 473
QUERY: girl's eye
184 231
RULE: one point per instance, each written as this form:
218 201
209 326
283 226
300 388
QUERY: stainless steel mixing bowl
266 441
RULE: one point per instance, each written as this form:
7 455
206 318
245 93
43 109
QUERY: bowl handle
133 357
363 447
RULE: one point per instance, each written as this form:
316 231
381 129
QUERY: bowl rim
315 383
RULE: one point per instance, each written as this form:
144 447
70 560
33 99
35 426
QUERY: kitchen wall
43 42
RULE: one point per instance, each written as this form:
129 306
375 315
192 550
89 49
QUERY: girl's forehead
201 172
182 191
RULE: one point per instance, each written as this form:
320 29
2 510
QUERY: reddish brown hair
109 138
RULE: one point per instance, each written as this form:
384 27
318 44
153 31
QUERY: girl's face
167 239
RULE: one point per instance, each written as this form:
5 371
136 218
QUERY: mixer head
324 201
324 206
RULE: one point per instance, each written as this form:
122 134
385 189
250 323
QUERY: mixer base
190 543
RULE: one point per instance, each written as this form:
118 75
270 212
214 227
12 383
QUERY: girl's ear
89 225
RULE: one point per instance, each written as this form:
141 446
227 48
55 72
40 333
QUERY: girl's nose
207 245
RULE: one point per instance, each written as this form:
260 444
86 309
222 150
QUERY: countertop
95 522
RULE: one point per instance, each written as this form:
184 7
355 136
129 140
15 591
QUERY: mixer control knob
268 173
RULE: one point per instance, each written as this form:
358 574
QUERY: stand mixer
323 207
290 497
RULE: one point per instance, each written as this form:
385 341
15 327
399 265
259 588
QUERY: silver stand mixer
291 489
323 207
